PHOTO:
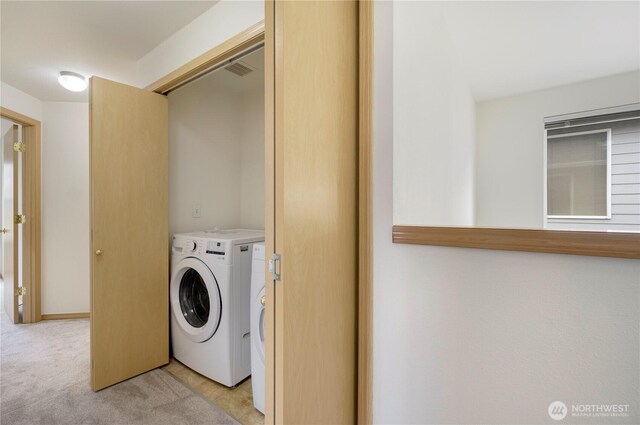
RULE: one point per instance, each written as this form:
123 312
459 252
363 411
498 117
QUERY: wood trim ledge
599 244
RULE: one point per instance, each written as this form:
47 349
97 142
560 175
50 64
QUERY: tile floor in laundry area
237 402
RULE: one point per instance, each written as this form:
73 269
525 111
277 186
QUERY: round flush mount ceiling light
72 81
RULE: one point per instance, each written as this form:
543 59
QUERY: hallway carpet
44 379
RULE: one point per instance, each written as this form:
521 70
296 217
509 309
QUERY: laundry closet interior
216 148
216 185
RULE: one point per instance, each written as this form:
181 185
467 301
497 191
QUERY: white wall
216 155
223 21
65 199
65 208
252 159
433 124
488 337
510 142
19 101
204 158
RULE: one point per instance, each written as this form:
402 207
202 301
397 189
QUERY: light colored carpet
44 379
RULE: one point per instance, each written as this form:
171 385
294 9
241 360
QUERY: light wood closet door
129 224
314 49
10 229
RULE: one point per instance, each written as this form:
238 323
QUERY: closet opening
216 223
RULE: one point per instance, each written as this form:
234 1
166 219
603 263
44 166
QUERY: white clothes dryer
257 326
209 292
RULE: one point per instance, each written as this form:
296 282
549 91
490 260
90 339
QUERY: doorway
21 216
12 165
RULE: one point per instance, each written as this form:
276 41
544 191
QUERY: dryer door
195 299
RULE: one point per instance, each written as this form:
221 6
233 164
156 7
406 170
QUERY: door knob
263 300
4 230
99 252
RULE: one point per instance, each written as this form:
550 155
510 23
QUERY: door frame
365 214
245 40
31 177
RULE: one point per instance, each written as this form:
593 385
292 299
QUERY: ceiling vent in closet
239 68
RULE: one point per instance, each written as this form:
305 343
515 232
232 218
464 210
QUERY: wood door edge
100 387
365 213
269 119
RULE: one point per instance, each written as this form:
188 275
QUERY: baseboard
65 316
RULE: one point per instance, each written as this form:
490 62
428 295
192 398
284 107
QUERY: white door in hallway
130 231
10 229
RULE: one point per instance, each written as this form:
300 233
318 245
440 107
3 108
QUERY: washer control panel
187 245
219 250
216 247
193 246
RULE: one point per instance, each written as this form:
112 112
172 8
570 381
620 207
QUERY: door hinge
20 219
19 147
275 265
22 291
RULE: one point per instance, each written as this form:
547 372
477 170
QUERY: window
593 170
578 174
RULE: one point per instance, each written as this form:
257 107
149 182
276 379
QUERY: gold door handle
99 252
4 230
263 300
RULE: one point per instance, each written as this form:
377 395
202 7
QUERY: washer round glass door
195 299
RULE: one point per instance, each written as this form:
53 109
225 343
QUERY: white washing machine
209 289
257 326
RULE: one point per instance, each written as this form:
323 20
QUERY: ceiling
505 48
513 47
41 38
